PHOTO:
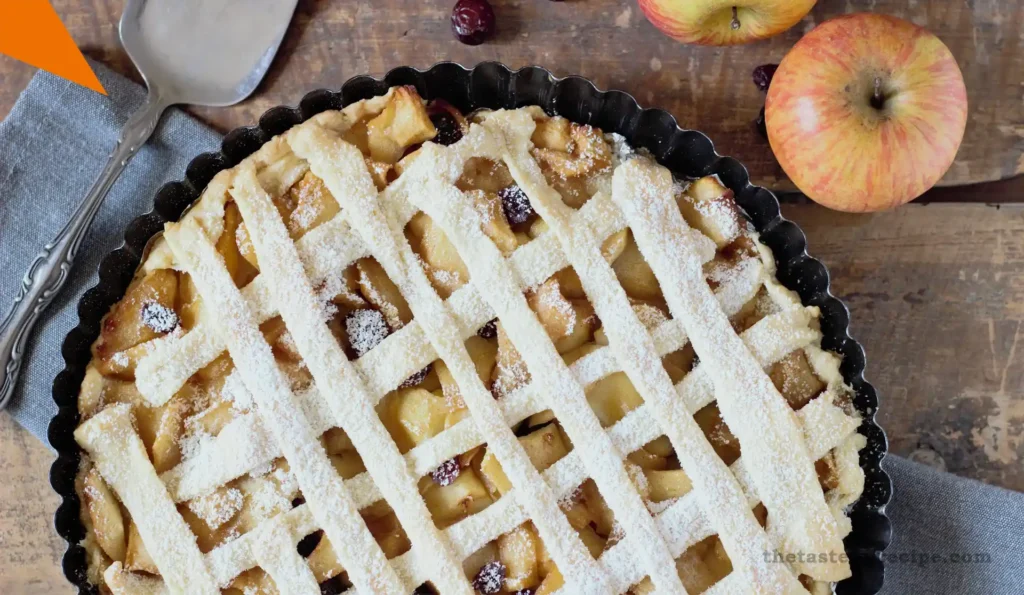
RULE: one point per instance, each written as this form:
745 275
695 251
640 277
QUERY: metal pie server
200 52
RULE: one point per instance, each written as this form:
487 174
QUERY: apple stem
735 19
878 99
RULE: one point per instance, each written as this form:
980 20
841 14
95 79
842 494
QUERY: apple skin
710 22
842 147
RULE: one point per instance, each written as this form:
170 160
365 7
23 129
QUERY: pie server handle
52 267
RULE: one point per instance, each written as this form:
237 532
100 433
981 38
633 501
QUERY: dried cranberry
446 473
489 330
763 75
473 21
529 590
762 128
448 130
159 317
416 378
365 328
490 578
515 204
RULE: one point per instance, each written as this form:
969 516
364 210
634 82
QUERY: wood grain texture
937 299
611 42
936 295
30 549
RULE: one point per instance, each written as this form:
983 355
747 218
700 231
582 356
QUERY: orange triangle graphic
31 31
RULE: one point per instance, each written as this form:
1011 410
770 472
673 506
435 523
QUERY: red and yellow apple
866 112
724 22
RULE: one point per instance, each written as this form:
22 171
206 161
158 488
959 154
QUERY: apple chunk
449 504
126 325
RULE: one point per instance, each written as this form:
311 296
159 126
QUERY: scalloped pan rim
688 153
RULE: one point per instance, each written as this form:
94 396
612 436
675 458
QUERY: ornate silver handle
50 270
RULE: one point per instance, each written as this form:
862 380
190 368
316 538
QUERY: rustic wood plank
936 294
30 549
1010 190
611 42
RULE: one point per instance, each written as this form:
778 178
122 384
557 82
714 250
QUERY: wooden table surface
610 42
936 290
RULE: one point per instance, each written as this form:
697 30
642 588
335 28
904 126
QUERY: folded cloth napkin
951 535
53 144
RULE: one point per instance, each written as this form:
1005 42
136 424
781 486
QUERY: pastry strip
273 546
751 406
496 282
110 439
336 378
717 490
280 413
393 252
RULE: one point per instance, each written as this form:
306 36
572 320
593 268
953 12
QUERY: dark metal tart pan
688 153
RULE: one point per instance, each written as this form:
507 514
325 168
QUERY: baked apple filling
203 424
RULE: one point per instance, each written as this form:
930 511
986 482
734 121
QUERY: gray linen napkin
952 535
52 146
56 139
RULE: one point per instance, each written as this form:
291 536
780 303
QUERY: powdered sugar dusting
242 235
442 277
217 508
332 285
234 391
659 507
569 498
621 150
554 300
636 475
120 456
366 329
723 214
262 469
343 172
119 359
490 578
738 284
390 310
309 204
492 275
650 316
271 492
192 442
158 317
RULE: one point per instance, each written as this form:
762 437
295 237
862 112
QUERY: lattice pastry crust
398 350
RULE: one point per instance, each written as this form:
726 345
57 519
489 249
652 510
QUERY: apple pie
404 349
